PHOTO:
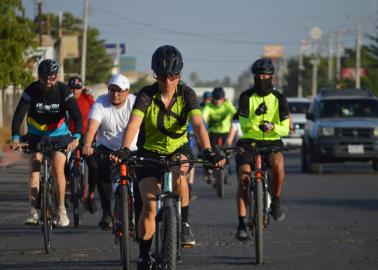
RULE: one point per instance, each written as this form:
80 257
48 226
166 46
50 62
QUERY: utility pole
40 23
61 52
84 41
314 63
300 73
330 57
338 56
358 54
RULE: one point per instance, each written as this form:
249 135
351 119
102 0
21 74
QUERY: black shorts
217 139
154 171
33 141
246 157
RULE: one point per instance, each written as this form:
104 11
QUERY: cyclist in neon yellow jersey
264 119
218 116
162 110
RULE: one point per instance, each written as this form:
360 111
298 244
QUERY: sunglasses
170 77
116 90
50 78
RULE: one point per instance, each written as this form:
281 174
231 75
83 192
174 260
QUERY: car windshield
348 108
298 107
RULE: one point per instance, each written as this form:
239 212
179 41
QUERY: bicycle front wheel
124 234
46 224
167 236
259 221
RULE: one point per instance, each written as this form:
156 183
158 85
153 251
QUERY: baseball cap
121 81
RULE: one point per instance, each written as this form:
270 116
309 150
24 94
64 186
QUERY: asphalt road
332 223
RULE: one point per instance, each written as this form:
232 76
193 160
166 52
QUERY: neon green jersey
277 113
165 131
218 119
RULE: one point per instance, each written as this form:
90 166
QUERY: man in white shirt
108 118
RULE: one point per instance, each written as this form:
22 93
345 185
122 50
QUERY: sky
218 38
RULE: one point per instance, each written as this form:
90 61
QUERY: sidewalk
10 158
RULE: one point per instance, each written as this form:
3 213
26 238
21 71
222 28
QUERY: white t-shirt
113 121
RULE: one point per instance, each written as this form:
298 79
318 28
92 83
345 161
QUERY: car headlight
376 132
326 131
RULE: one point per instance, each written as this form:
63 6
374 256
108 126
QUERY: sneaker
144 264
187 237
62 219
32 219
106 222
276 210
241 233
91 205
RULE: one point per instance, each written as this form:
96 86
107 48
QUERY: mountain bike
218 177
167 239
124 217
47 195
259 197
78 180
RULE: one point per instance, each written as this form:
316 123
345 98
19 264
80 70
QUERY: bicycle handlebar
255 148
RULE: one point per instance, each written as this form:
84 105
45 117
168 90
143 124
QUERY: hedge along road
332 223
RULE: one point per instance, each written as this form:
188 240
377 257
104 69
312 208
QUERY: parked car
342 125
298 108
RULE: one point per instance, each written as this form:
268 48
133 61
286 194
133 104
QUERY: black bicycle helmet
75 82
218 93
48 67
167 60
263 66
207 94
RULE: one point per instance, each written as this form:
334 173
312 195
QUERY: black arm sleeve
244 103
19 115
284 108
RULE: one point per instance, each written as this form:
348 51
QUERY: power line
202 36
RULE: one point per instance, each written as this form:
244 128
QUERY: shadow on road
359 204
58 265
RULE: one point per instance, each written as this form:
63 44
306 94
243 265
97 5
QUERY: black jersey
47 111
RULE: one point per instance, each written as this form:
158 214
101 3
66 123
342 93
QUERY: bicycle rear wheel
124 233
259 221
167 236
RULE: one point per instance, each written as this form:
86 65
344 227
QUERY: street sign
127 63
316 33
113 46
273 51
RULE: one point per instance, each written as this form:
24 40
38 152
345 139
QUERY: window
348 108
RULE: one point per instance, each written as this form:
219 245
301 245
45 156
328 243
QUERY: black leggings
92 172
104 183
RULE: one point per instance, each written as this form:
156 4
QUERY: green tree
16 40
291 87
368 63
98 62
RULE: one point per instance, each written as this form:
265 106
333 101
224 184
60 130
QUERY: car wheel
316 168
308 162
375 165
